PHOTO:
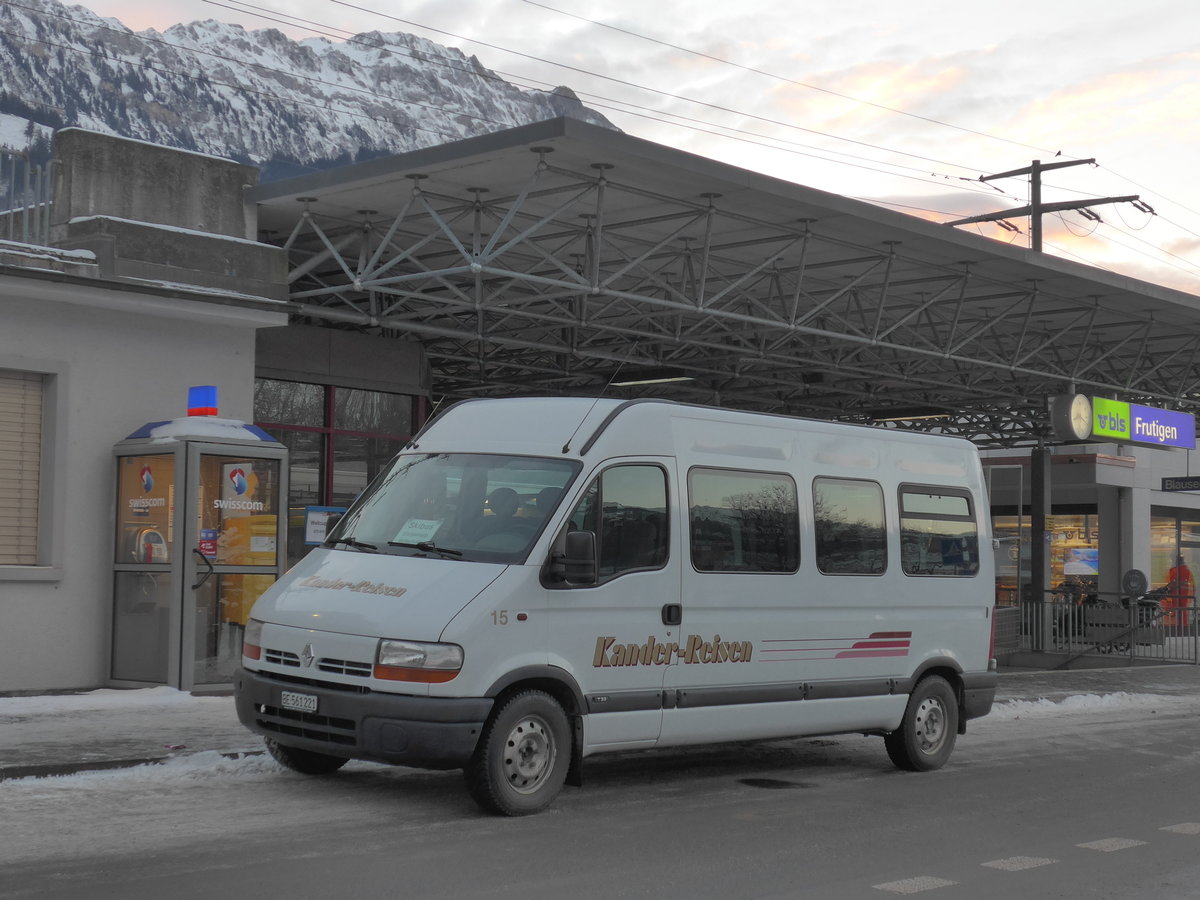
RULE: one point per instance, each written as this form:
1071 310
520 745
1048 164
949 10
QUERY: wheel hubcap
529 754
930 725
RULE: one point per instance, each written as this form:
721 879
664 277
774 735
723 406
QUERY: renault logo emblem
306 656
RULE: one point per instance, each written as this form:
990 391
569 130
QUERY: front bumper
427 732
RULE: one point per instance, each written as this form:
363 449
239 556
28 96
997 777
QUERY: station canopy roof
564 258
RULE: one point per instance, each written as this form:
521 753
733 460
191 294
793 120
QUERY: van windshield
469 506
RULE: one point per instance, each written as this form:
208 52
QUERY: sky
905 105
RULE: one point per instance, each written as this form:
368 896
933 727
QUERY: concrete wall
344 358
116 359
102 175
154 214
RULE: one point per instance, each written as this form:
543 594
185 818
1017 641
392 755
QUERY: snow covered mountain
254 96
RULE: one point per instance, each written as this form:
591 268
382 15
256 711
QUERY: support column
1108 511
1039 545
1135 529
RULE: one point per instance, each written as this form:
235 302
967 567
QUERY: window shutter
20 466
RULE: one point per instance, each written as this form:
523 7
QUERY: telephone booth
200 533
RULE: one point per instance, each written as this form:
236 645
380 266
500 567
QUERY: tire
926 736
307 762
523 755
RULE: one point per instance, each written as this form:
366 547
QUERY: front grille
335 666
307 725
346 667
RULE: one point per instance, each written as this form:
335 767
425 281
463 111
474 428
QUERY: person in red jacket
1181 595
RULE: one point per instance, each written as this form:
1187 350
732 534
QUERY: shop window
1074 546
1074 551
849 529
1175 562
21 408
289 403
338 439
372 412
938 532
356 460
743 521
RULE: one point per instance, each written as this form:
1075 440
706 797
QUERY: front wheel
307 762
522 758
925 738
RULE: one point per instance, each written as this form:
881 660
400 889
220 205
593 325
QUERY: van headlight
414 661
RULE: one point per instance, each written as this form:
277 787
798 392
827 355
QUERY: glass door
144 563
235 549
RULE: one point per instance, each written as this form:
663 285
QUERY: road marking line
914 885
1183 828
1017 863
1108 845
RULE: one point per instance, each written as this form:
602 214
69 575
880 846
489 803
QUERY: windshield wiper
426 547
357 545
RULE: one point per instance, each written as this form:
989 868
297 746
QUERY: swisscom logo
237 477
147 480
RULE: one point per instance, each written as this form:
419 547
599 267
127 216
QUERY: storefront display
1074 545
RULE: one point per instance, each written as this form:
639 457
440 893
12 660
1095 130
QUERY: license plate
298 702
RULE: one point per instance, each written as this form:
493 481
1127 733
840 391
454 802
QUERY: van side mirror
579 557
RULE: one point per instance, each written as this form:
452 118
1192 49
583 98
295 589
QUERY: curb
52 770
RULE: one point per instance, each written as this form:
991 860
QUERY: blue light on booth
202 400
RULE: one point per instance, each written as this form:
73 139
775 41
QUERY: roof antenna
412 441
566 448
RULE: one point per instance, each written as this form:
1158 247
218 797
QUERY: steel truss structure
565 258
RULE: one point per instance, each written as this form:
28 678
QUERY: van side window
848 517
626 508
743 521
938 533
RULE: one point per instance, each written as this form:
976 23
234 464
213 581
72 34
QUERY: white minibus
532 581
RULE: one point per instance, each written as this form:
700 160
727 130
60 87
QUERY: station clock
1071 416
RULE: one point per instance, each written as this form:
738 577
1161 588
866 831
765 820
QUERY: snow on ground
191 767
1079 705
1073 711
113 700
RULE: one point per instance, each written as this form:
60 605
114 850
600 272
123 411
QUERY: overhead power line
1036 208
757 71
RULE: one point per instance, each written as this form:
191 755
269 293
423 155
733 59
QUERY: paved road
1103 803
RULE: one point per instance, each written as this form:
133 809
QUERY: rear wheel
925 738
523 756
307 762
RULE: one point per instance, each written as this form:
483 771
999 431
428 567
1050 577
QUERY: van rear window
938 533
743 521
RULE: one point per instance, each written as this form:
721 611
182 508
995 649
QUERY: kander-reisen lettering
661 653
360 587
